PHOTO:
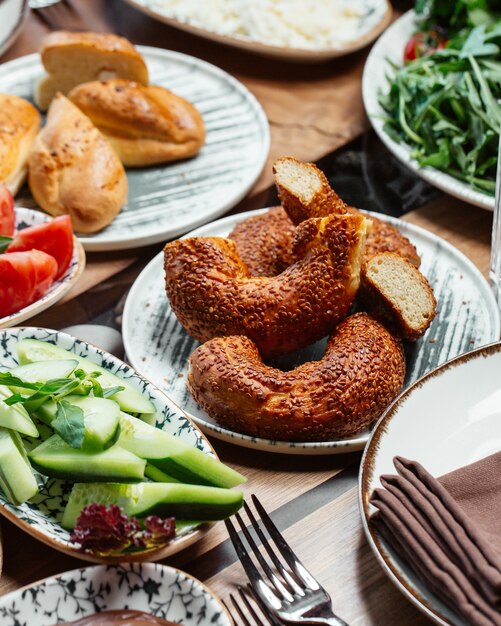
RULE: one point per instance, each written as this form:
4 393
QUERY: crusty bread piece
304 190
74 170
145 125
19 124
395 290
74 58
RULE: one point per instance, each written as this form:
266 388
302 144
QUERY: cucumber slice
157 475
16 476
42 371
101 419
54 457
173 456
130 399
184 502
16 416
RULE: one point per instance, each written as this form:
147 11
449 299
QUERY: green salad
444 100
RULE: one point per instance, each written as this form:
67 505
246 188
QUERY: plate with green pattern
41 515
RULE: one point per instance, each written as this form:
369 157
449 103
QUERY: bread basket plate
168 200
370 18
163 591
28 217
41 516
457 408
159 348
390 48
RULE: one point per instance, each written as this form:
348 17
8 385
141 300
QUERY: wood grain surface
312 111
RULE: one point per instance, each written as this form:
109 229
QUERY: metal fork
296 597
250 611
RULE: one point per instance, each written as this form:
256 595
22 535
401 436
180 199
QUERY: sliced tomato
421 44
24 278
54 238
7 215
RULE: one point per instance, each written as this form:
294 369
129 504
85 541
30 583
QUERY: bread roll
74 170
19 124
145 125
74 58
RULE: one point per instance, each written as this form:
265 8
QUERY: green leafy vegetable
4 243
446 105
69 423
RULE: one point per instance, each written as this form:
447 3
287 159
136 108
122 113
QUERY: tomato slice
7 215
24 277
54 238
421 44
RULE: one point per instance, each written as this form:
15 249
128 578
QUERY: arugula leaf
69 423
8 380
4 243
111 391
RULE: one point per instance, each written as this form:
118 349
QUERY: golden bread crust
390 306
105 43
318 200
74 170
264 242
145 124
361 372
212 294
19 124
74 58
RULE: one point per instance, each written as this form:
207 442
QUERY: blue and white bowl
41 516
162 591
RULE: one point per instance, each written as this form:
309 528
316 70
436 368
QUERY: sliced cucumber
130 399
16 416
184 502
157 475
16 476
173 456
42 371
54 457
101 419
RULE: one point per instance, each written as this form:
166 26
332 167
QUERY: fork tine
241 614
249 591
293 584
285 550
267 569
269 599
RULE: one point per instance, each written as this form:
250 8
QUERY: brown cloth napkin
449 531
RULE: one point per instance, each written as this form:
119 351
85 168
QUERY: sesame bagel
361 372
304 192
212 293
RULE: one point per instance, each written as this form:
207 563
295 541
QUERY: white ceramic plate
163 591
41 516
449 418
170 199
390 47
12 16
375 18
159 347
25 218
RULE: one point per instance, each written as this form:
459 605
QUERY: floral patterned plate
41 516
29 217
163 591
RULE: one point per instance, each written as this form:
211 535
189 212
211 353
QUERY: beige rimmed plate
29 217
41 516
375 20
449 418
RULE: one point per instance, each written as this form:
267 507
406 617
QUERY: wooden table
312 111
